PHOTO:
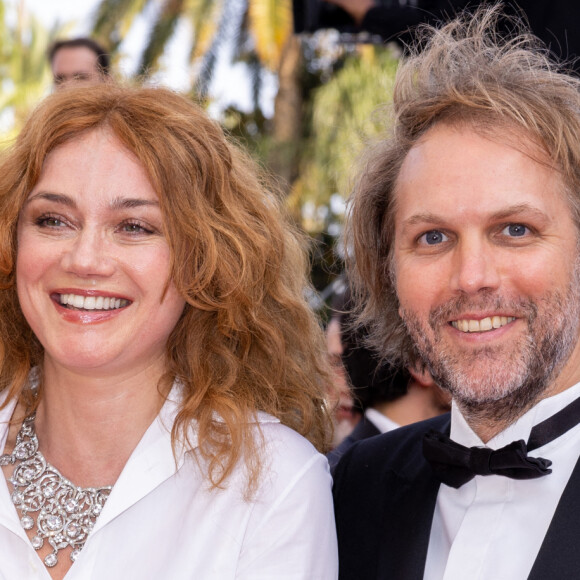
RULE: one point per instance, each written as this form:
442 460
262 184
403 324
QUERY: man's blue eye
434 237
516 230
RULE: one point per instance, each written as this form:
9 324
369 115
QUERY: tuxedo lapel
559 556
385 495
410 506
410 509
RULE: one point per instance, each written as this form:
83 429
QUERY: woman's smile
74 301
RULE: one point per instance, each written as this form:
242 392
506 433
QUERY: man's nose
474 267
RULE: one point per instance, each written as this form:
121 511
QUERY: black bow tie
455 464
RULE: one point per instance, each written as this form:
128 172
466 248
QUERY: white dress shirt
162 521
380 421
492 527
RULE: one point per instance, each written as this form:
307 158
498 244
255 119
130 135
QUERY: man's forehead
75 59
455 170
495 130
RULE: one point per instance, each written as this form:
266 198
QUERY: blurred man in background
79 61
380 397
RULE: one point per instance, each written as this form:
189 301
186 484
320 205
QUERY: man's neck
489 419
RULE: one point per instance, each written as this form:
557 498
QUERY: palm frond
270 23
114 18
161 32
204 16
226 30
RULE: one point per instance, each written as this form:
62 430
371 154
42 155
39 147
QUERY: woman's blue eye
433 237
515 230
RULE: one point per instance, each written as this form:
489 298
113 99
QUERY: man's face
77 65
485 265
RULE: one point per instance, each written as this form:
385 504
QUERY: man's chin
504 397
482 391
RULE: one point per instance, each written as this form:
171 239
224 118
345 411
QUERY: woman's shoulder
6 407
286 449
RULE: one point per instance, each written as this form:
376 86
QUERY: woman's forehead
98 165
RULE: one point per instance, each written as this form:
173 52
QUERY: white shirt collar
380 421
462 433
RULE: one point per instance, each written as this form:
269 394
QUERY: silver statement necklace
66 513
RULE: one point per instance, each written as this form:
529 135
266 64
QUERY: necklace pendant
27 522
51 560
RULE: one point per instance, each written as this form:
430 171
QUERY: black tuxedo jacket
385 495
363 430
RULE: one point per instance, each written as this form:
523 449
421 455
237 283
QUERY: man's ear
421 375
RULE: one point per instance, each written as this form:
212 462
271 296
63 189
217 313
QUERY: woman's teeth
92 302
483 325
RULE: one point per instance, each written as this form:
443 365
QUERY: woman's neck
88 425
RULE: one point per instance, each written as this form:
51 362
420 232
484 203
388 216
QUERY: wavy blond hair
464 73
247 340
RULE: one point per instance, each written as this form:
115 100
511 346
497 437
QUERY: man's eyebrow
116 204
513 211
518 210
422 218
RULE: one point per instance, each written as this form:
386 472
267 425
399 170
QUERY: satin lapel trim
559 556
408 518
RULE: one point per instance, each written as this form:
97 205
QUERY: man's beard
500 383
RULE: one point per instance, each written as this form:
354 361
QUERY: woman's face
93 263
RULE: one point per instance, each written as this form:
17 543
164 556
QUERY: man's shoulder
384 495
363 430
396 450
398 441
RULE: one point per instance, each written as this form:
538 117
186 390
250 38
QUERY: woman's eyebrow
54 197
117 203
131 202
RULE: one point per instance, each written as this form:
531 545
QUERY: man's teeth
92 302
483 325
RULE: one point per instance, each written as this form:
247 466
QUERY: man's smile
483 325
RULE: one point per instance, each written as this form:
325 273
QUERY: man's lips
92 302
481 325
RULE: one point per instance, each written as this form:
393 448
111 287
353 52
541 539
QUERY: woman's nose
88 255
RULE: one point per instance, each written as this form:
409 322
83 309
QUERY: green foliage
24 72
204 17
114 18
163 30
248 129
268 22
345 116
